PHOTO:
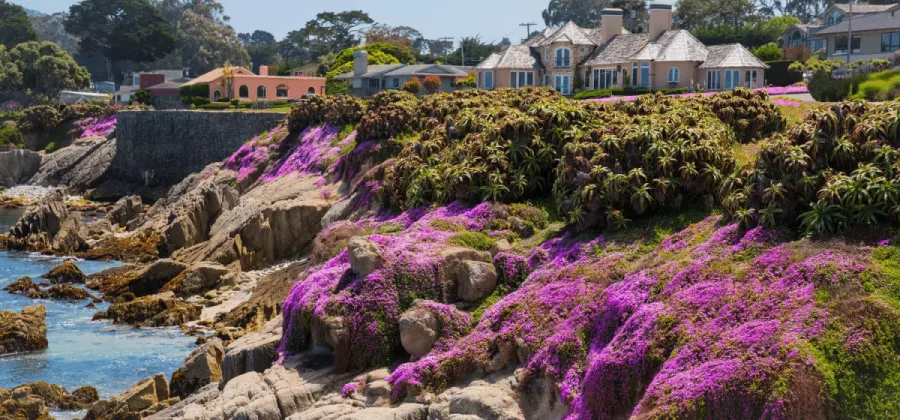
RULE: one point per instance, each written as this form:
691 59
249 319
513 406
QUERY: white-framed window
645 74
519 79
750 79
674 75
587 79
732 79
486 79
562 84
713 80
890 41
605 78
563 57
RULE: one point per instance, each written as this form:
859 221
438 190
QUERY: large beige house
572 58
874 35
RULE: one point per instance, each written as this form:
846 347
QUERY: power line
528 28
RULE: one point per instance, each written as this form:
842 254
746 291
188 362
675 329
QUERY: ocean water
82 352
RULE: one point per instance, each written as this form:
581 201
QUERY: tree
228 73
261 46
403 36
43 68
15 28
777 25
476 50
258 37
51 28
769 52
504 42
124 30
328 32
585 13
174 10
207 45
691 14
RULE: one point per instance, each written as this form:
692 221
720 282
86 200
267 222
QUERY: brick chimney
610 23
263 70
360 62
660 19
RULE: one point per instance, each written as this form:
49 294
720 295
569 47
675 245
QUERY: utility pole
462 50
849 33
528 29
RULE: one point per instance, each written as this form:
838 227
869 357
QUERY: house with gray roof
366 80
875 36
572 58
837 16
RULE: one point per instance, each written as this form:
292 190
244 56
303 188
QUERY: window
713 80
732 79
281 91
546 80
373 83
217 95
605 78
835 18
796 39
634 74
519 79
840 45
818 44
396 83
645 74
673 75
488 82
311 91
890 42
750 79
587 79
261 92
563 57
562 84
244 91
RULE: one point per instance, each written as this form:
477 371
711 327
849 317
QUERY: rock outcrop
161 310
36 229
137 281
125 210
80 166
419 331
252 352
66 272
142 400
196 280
18 166
23 332
477 280
201 368
365 257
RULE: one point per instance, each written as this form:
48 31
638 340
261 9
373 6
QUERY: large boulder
36 229
477 280
145 398
453 268
18 166
162 310
65 273
419 331
333 240
23 332
252 352
24 286
196 280
125 210
79 166
365 257
67 292
201 368
136 280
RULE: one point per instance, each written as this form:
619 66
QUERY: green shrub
882 86
413 86
225 100
778 73
216 106
39 119
769 52
235 102
473 240
197 89
51 147
10 135
596 93
142 97
824 88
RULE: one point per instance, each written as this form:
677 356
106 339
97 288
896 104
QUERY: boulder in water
201 368
66 272
162 310
23 332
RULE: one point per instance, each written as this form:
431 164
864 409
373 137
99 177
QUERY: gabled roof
731 56
862 8
619 50
570 32
373 70
514 57
868 23
427 70
677 45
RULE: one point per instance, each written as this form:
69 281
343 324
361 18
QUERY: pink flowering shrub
95 126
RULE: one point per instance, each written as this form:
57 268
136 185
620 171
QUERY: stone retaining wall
160 148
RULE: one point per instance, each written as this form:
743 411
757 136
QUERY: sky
492 19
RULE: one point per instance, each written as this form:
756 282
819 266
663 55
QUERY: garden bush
39 119
591 94
10 136
413 86
335 110
824 88
432 83
194 90
779 74
882 86
215 106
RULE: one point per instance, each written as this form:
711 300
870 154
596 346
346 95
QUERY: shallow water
81 352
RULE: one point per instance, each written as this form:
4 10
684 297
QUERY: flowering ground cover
96 126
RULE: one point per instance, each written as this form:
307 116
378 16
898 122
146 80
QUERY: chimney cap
660 6
612 11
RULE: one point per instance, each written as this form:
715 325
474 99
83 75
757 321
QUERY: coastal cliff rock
36 229
147 397
201 368
80 166
252 352
125 210
23 332
137 280
162 310
18 166
66 272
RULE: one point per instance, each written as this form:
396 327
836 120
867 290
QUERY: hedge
596 93
779 75
215 106
197 89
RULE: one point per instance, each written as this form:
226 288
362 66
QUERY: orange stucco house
249 87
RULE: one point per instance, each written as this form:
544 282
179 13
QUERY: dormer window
563 57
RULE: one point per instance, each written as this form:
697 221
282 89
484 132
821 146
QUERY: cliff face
16 166
159 149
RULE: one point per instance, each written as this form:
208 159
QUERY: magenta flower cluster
95 126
